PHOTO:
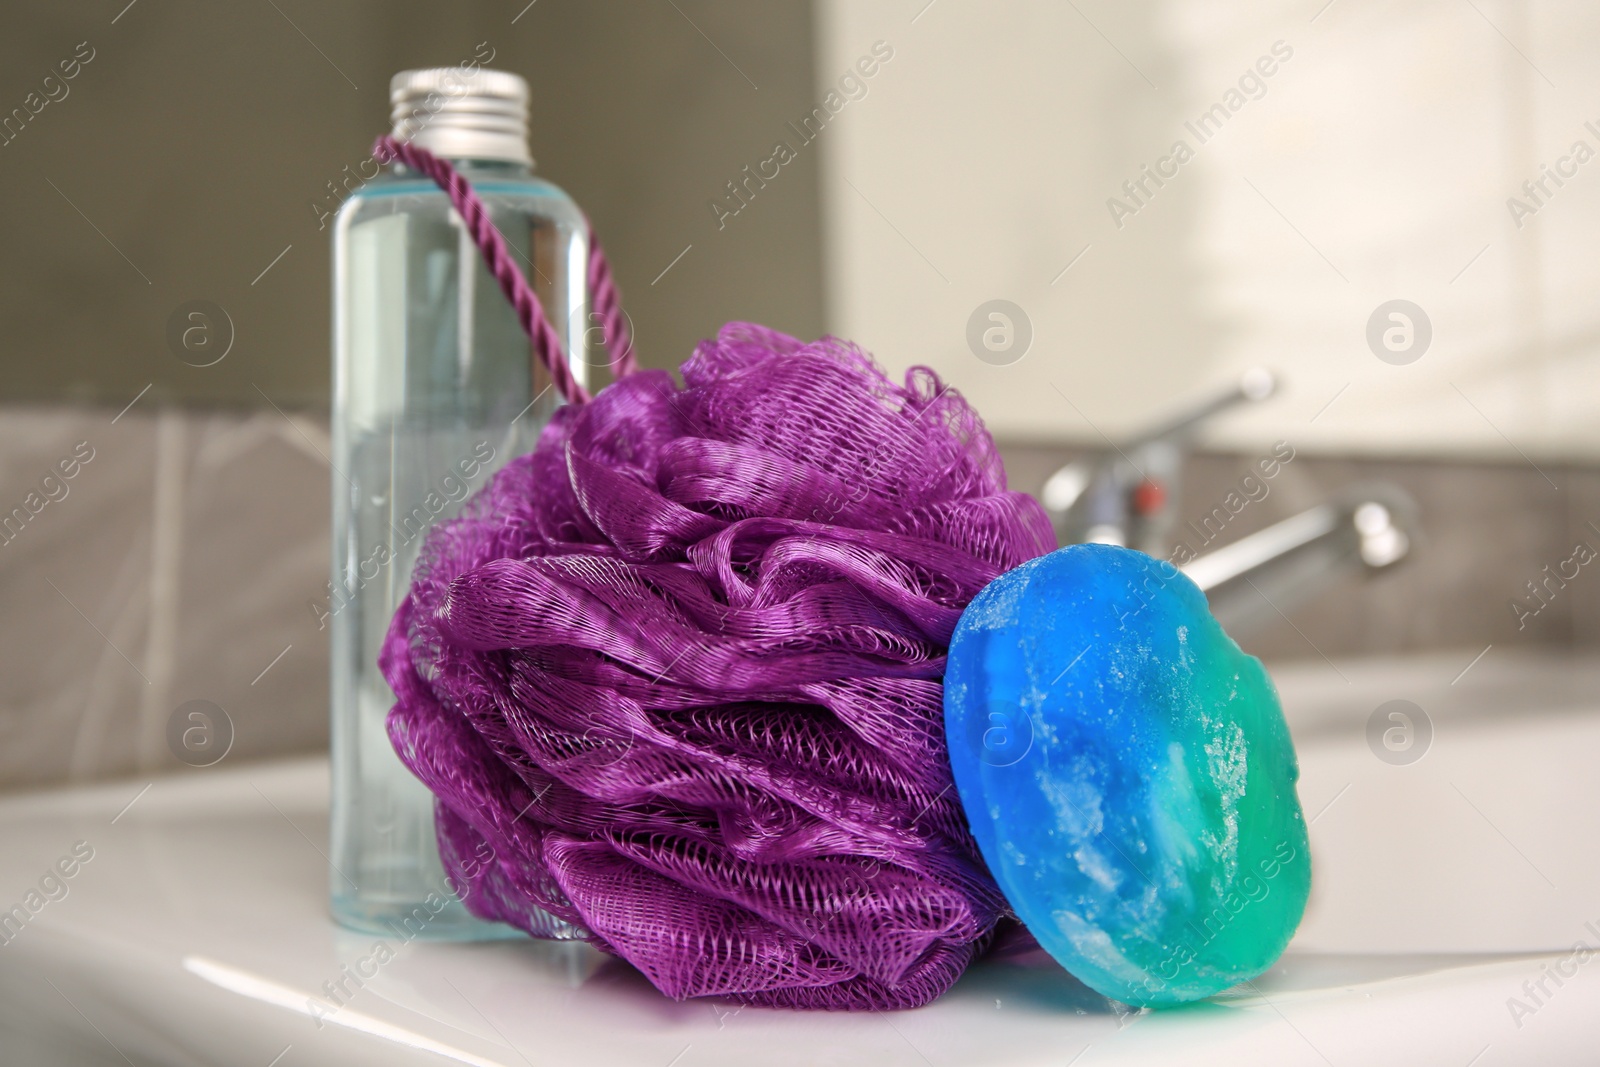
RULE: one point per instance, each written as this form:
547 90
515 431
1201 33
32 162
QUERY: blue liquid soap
433 390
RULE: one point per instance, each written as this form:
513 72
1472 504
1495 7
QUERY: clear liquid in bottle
434 390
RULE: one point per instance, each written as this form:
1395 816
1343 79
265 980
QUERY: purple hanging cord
605 300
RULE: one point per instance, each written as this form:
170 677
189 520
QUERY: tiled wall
177 563
1484 531
175 566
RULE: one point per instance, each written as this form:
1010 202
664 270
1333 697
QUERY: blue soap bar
1127 774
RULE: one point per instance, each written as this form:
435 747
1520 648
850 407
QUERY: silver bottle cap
462 114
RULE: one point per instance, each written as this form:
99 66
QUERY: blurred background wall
200 140
1320 160
946 154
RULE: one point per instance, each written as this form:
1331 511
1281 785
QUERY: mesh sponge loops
674 676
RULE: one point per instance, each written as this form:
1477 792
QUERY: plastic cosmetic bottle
433 390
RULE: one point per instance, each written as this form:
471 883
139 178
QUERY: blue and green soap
1128 775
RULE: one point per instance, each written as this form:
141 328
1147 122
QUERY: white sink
1485 844
198 933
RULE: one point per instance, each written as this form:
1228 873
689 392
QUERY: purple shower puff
674 676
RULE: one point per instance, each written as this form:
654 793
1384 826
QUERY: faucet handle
1254 385
1258 383
1124 495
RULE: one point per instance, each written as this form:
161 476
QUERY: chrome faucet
1129 495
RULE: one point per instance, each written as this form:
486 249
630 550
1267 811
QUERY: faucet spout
1259 577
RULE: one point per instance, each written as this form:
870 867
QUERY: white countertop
198 933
